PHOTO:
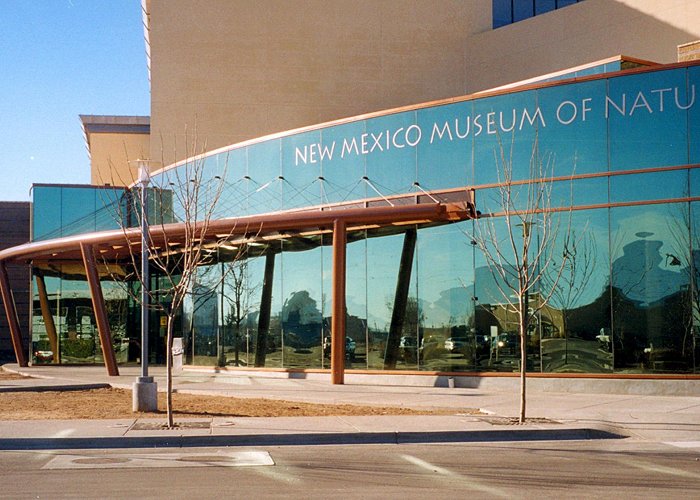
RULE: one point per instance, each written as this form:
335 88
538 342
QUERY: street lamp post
145 390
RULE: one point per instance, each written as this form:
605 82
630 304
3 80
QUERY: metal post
145 277
11 313
265 306
338 316
98 307
145 390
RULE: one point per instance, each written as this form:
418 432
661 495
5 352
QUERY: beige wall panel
245 68
110 155
581 33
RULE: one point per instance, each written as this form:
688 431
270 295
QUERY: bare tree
188 195
521 252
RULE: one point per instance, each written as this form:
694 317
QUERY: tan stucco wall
110 154
238 69
228 70
581 33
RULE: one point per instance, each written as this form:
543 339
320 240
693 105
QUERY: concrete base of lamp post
144 395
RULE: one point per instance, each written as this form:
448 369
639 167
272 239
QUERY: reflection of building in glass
419 296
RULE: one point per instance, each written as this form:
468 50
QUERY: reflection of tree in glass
685 254
238 292
577 268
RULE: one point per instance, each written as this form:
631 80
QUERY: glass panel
648 120
46 212
301 313
523 10
302 158
117 307
110 208
264 170
502 13
694 344
77 211
694 114
542 6
695 182
46 318
445 294
342 173
505 130
583 192
444 154
383 258
575 136
576 323
241 300
650 280
355 297
206 303
391 156
497 340
268 269
77 332
649 186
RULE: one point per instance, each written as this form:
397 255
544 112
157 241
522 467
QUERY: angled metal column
98 306
11 314
265 307
47 315
398 315
338 315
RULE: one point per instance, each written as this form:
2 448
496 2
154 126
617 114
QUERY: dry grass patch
117 403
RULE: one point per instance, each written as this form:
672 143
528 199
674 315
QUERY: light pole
145 390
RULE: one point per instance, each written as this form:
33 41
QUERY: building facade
619 138
420 296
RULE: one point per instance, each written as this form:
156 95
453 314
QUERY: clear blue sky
60 59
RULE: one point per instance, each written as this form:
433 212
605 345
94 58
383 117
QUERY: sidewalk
674 419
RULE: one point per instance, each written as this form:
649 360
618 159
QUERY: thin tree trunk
523 358
169 370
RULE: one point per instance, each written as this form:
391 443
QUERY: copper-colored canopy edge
257 225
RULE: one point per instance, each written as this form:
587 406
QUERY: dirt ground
116 403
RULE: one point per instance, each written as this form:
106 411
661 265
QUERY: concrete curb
58 387
306 439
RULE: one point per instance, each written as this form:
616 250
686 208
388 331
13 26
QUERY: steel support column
11 314
338 315
98 306
47 315
398 314
265 307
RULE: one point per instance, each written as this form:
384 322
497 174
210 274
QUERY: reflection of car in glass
505 343
604 341
43 356
350 346
408 347
456 344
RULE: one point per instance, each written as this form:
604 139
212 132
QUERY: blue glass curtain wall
624 153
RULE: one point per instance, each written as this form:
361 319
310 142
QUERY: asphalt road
552 469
